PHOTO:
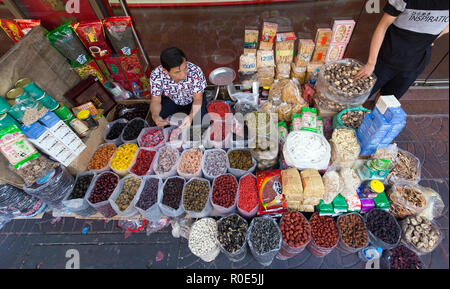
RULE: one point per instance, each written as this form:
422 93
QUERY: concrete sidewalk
43 243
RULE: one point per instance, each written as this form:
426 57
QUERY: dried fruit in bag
120 33
93 38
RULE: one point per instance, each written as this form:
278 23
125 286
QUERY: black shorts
394 82
169 108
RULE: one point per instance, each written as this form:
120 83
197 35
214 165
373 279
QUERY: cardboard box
320 53
323 37
335 52
342 31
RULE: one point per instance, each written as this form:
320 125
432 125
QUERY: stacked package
382 126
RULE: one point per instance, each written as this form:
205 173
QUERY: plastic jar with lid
85 116
81 129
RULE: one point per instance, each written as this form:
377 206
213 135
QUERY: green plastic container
48 102
337 118
4 105
64 113
30 87
7 120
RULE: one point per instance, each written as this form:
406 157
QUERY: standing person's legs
400 84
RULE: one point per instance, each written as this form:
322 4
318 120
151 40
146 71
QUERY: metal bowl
222 76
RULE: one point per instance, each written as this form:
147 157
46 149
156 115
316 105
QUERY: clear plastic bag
14 203
237 172
117 141
242 212
283 71
53 188
388 153
435 205
265 258
374 240
79 205
334 93
132 168
244 107
125 128
334 185
317 250
208 238
342 245
103 207
124 172
173 170
276 89
429 232
205 169
287 251
107 162
130 211
222 211
239 254
403 203
140 138
291 93
166 210
345 148
197 174
207 209
406 168
152 213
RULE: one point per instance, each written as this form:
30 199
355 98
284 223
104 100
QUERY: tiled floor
43 243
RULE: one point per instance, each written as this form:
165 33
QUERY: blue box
395 114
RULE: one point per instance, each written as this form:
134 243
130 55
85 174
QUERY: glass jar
80 128
85 116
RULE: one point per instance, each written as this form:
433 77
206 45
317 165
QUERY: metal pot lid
222 76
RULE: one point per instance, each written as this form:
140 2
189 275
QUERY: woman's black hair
172 57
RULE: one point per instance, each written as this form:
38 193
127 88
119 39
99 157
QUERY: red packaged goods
12 30
131 66
323 37
27 24
120 34
91 68
113 65
93 38
271 198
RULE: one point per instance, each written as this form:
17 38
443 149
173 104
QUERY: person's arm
196 107
445 31
155 109
375 45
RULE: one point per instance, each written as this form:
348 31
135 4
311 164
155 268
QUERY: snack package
15 147
323 37
313 188
87 106
272 200
131 66
335 52
90 68
269 32
27 24
247 63
305 51
250 41
12 29
64 39
119 31
320 53
282 131
93 38
265 59
292 188
284 47
342 31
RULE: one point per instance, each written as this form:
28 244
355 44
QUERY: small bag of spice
120 34
126 195
197 194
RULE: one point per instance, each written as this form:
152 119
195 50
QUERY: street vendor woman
401 44
177 87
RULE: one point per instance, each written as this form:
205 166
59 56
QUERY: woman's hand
159 121
187 121
365 71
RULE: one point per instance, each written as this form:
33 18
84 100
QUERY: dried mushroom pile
341 76
353 118
421 233
406 167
